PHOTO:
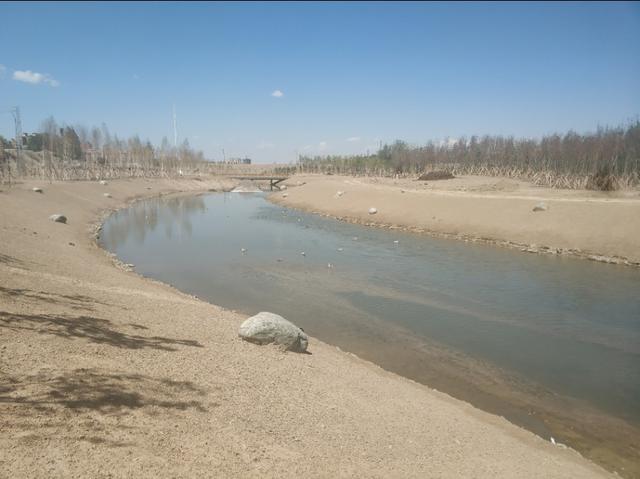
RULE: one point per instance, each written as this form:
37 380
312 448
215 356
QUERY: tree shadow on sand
10 260
91 389
74 301
64 406
92 329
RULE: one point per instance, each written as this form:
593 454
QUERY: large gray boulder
266 328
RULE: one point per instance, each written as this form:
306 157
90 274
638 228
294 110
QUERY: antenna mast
15 111
175 132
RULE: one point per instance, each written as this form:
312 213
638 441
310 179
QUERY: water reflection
143 217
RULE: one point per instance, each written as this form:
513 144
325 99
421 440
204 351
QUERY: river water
544 341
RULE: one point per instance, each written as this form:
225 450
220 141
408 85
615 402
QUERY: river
544 341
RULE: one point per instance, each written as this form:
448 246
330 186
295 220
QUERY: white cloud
35 78
265 145
322 146
307 147
353 138
277 94
2 70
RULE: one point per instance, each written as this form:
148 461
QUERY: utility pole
175 132
15 111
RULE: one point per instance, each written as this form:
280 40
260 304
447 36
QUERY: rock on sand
58 218
102 182
540 207
36 190
372 211
266 328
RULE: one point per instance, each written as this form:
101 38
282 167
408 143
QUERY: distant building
237 161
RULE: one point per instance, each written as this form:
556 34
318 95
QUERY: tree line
607 159
67 152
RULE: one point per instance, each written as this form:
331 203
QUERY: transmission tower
175 133
15 111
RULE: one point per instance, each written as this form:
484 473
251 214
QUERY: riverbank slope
104 373
594 225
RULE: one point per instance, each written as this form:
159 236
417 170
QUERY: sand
104 373
592 225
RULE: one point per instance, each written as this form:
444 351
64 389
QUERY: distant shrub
603 180
436 175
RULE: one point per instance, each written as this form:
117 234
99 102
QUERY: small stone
340 193
107 195
36 190
58 218
103 182
372 211
540 207
284 195
71 243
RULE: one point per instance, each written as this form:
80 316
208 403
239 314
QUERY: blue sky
351 74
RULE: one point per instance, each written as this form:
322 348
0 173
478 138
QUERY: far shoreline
320 201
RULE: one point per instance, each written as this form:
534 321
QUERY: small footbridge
273 180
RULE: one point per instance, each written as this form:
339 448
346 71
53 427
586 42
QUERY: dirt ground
106 374
593 225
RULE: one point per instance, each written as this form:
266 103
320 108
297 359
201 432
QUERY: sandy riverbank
107 374
593 225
